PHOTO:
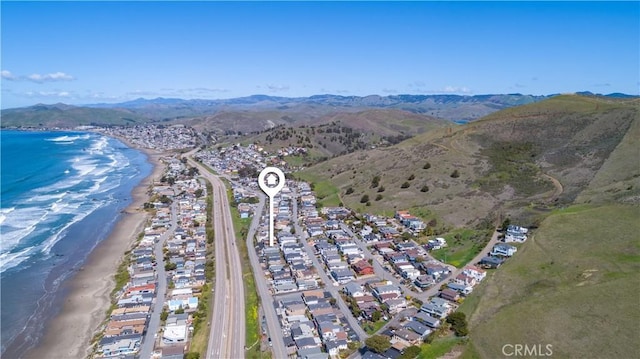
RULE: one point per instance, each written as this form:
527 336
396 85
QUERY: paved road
362 335
227 333
274 328
161 289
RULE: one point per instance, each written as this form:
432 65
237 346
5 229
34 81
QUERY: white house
504 250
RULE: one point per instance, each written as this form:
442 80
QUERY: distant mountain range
254 111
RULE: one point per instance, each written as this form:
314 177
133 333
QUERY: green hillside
67 116
521 162
574 285
345 132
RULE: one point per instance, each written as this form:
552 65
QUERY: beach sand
69 334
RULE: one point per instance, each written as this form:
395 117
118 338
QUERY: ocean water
61 194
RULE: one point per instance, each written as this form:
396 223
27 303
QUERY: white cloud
455 89
7 75
56 94
277 88
55 76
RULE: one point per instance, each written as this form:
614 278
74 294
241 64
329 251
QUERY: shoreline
69 333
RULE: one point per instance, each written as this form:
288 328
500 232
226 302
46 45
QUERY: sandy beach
69 334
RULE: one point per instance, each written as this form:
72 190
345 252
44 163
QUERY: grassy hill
344 132
61 115
573 285
520 162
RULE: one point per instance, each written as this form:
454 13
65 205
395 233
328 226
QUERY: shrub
426 166
455 174
378 197
364 198
381 189
424 188
349 190
412 177
405 185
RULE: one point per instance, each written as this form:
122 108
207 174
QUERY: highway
227 332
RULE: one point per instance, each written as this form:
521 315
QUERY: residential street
161 289
362 335
274 329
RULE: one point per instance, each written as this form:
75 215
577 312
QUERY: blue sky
91 52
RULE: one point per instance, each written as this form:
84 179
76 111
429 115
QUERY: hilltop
345 132
519 162
67 116
257 112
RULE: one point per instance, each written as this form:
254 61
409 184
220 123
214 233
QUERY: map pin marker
271 180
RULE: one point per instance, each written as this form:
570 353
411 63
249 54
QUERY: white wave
47 197
98 146
9 260
67 138
19 224
46 246
4 212
63 139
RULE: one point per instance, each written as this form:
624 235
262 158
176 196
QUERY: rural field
573 285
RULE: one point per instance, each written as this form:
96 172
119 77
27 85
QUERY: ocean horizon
61 195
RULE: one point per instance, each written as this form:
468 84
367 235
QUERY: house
465 280
363 268
409 337
426 319
475 272
449 294
504 250
437 243
342 276
386 292
515 234
491 262
120 345
435 270
424 281
460 288
437 307
418 328
354 290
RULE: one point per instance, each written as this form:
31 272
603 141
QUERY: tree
378 343
198 192
375 316
412 177
349 191
458 321
405 185
381 189
180 310
364 198
378 197
455 174
426 166
375 181
164 315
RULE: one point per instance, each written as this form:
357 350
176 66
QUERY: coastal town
332 280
